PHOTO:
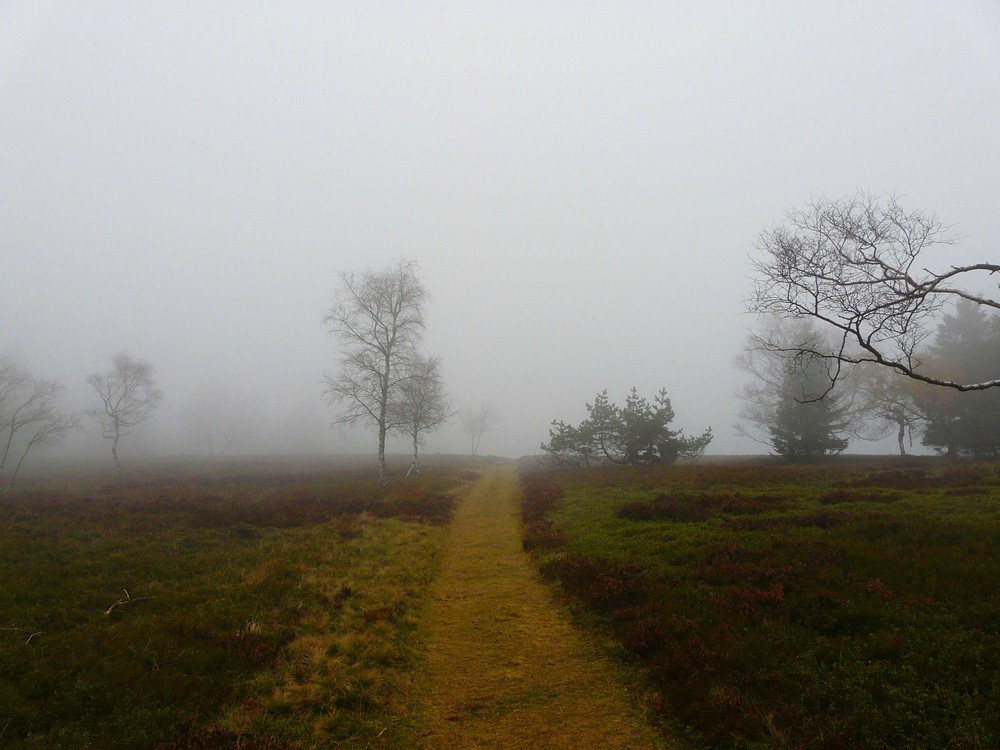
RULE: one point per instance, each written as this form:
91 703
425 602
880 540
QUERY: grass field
842 605
204 607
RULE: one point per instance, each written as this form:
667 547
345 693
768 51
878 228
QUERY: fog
581 184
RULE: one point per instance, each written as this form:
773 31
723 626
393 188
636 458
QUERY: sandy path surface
504 669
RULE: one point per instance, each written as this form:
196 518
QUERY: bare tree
885 402
421 404
379 318
128 396
29 417
477 423
856 265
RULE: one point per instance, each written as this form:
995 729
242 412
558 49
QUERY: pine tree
967 345
804 426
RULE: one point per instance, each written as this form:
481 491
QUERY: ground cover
234 606
840 605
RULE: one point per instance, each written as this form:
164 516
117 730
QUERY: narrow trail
504 669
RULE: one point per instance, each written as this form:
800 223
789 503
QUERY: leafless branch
30 416
856 266
126 601
23 630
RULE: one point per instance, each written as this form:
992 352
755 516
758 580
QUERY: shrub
604 584
541 535
696 507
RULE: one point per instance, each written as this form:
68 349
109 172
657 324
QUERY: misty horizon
581 187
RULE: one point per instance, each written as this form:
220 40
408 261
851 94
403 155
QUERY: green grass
264 608
850 605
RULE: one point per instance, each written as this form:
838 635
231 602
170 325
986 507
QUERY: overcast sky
581 184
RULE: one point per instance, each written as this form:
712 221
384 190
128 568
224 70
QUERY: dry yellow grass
503 667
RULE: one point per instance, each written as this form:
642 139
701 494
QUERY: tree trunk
114 454
414 468
383 408
382 476
17 468
900 436
6 450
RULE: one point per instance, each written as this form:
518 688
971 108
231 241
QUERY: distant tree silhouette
477 423
967 347
129 397
791 403
421 404
30 417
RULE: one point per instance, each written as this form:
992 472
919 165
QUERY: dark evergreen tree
635 434
967 345
804 426
792 402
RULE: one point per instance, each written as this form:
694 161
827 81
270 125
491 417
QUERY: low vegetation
838 605
264 608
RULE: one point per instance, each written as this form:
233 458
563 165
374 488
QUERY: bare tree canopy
857 265
885 402
128 395
29 417
421 404
477 423
379 318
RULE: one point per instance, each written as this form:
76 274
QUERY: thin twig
127 600
22 630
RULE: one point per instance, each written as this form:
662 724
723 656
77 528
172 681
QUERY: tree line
31 414
857 337
383 381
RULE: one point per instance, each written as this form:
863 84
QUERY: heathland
278 605
826 606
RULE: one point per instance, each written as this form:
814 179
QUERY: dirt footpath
504 669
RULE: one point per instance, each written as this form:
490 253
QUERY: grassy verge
791 607
206 609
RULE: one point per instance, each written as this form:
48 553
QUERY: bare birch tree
857 266
378 316
30 417
421 404
129 397
477 423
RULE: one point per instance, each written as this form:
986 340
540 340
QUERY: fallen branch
127 600
22 630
